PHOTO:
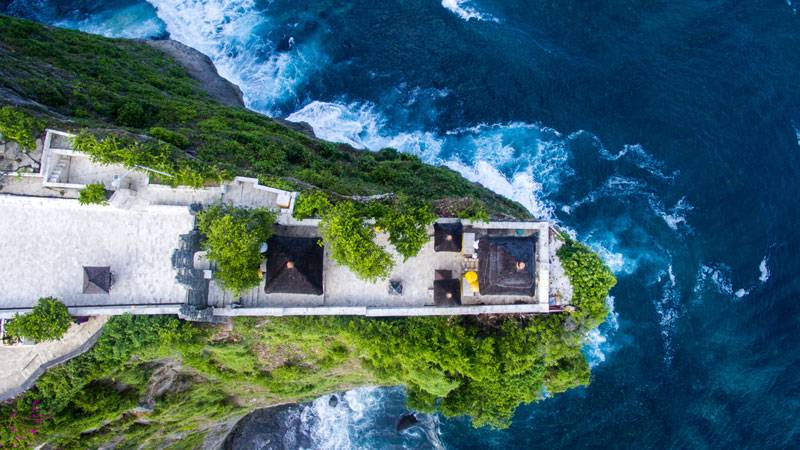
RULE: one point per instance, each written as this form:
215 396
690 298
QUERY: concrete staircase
55 174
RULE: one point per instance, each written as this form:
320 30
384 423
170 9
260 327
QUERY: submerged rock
333 401
407 421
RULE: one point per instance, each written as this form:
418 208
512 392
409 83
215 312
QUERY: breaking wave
235 37
466 12
669 309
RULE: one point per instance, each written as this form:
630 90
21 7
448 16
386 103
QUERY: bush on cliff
92 194
48 321
20 127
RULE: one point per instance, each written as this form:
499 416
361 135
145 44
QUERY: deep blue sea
666 134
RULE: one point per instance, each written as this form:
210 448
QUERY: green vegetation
473 211
20 127
311 204
48 321
352 242
591 280
406 221
103 83
345 229
92 194
133 152
88 400
176 139
233 238
475 366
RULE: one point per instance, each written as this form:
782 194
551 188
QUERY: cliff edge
201 69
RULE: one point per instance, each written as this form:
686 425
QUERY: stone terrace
48 237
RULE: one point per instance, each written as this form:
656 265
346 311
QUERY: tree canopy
233 238
48 321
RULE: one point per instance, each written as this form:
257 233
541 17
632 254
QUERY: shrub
18 126
352 243
407 222
233 237
92 194
311 204
48 321
176 139
473 211
131 114
591 280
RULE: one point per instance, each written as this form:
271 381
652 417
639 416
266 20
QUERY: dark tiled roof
499 271
447 237
294 265
441 289
96 280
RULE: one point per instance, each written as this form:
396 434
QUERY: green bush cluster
20 127
591 280
351 238
48 321
473 211
460 366
406 221
352 242
152 154
92 194
172 137
311 203
77 394
233 238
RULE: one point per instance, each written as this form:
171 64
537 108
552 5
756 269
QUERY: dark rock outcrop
202 69
300 127
407 421
333 401
276 428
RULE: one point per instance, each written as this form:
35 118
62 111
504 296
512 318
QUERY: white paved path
21 361
46 242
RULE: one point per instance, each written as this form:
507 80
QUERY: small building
97 280
294 265
447 237
506 265
447 292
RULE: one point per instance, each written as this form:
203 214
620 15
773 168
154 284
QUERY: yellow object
260 273
474 286
378 229
471 277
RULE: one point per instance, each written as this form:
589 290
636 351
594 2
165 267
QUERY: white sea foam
797 133
133 21
717 278
764 269
233 35
335 428
675 218
466 12
639 157
597 346
669 309
535 156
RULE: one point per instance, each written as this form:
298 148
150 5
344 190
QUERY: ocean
665 134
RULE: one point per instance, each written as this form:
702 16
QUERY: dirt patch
167 378
272 357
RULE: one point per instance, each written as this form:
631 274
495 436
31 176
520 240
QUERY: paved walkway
21 362
47 242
